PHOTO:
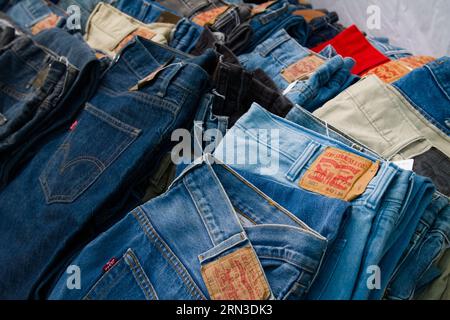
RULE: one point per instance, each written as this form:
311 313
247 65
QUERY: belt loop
166 80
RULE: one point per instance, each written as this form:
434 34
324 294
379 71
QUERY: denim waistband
141 57
29 12
217 184
297 147
281 39
71 48
434 104
306 119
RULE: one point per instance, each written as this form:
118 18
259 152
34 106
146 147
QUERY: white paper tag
290 87
405 164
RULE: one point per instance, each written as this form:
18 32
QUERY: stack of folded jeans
214 149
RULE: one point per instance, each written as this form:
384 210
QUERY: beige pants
378 116
109 30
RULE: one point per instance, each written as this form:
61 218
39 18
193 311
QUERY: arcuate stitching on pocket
59 161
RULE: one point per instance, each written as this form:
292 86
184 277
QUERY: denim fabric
142 10
281 51
276 17
27 13
225 215
294 149
188 8
29 91
80 72
433 99
185 35
86 8
80 177
395 225
323 29
305 119
430 240
390 51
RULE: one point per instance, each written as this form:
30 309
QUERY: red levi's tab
109 265
73 125
353 44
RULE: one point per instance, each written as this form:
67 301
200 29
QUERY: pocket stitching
65 147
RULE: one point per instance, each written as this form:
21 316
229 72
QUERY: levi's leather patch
390 71
236 276
339 174
302 69
141 32
394 70
209 16
417 61
261 7
49 22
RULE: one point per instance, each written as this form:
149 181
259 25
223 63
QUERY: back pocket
126 280
95 141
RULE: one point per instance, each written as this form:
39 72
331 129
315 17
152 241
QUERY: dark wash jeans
188 8
80 74
79 178
31 84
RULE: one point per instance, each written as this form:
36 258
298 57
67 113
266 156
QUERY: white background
422 26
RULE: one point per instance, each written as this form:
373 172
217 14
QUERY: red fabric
352 43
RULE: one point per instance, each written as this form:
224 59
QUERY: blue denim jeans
294 150
323 29
430 240
26 13
279 52
276 17
407 281
389 50
32 84
142 10
81 177
225 218
433 99
186 35
80 72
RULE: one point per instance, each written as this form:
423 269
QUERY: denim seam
421 111
297 265
296 285
79 189
140 276
201 215
11 92
98 283
302 161
167 253
438 83
116 123
13 50
247 131
155 101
